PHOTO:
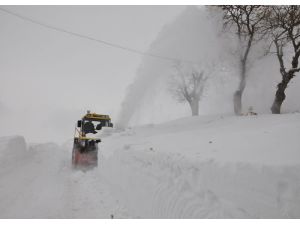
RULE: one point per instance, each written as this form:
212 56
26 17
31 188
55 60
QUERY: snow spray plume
190 37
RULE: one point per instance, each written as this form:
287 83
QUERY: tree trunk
280 95
194 104
237 97
237 102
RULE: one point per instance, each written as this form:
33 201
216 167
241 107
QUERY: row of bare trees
278 26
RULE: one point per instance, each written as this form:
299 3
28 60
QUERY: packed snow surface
198 167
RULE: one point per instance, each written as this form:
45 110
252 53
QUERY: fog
49 79
196 35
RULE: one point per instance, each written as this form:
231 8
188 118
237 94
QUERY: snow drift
36 181
198 167
12 148
208 167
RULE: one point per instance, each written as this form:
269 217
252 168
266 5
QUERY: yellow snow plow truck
85 146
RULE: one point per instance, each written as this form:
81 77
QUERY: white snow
249 170
41 184
197 167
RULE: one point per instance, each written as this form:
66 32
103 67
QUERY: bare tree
246 20
187 85
284 24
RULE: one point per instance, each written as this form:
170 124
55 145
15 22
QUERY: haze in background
196 35
49 79
192 36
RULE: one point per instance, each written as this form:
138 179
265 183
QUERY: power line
110 44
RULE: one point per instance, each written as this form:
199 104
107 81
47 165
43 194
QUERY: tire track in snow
175 187
89 197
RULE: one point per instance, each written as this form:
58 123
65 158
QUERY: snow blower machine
85 146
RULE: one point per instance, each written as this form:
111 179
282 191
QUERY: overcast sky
48 78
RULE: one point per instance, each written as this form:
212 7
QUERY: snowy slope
209 167
200 167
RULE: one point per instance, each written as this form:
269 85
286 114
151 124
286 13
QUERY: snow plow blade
85 154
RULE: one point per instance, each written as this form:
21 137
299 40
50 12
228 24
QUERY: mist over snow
262 81
196 35
193 37
163 163
49 79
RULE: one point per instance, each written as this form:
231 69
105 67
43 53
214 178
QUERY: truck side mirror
79 123
99 126
110 125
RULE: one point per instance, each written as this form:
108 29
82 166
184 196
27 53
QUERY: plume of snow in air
193 36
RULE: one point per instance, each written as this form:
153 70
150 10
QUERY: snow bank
38 182
12 144
198 167
11 148
31 183
208 167
166 186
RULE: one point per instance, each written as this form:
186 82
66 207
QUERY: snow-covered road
39 183
201 167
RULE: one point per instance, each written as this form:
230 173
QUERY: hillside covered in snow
198 167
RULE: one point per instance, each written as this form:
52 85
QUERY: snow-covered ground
198 167
37 181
